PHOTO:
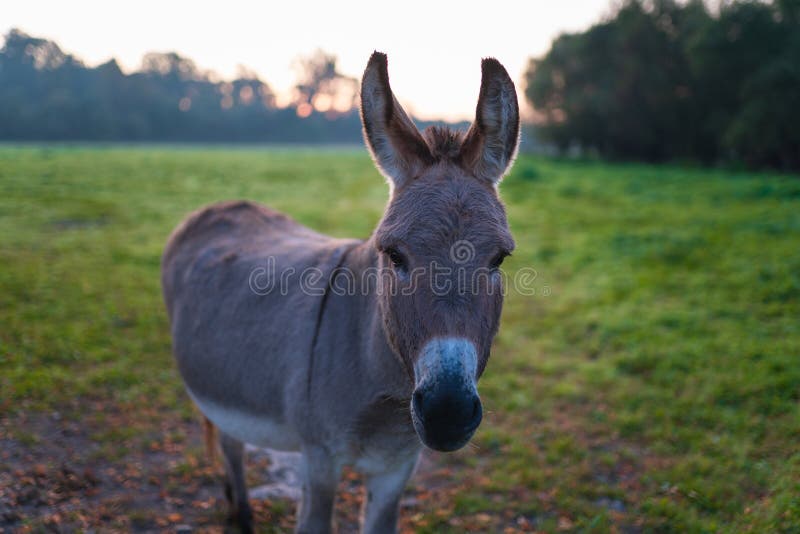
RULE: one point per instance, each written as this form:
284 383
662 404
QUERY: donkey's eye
498 260
396 258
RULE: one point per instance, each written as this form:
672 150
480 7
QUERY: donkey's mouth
443 432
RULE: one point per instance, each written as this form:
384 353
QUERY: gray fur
325 372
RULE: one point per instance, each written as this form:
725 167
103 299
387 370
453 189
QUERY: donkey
362 378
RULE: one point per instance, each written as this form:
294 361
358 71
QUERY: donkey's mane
443 142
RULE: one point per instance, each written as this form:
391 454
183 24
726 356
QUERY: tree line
657 80
47 94
666 80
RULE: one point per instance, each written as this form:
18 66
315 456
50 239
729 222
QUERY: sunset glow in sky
434 48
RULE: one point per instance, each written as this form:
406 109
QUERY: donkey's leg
235 485
320 476
382 506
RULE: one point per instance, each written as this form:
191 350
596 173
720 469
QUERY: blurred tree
665 80
46 94
171 64
321 86
748 62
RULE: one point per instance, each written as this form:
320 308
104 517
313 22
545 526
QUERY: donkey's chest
381 454
383 437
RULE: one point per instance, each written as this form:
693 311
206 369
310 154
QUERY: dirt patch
128 468
68 475
65 474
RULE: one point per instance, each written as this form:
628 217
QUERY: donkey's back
224 232
241 338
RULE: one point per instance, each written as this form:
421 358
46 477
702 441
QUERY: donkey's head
441 243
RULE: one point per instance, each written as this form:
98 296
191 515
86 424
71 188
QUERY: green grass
651 382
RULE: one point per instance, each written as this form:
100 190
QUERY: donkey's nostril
477 412
418 399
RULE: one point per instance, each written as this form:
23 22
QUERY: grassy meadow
651 383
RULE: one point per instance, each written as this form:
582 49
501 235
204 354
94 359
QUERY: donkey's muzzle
446 420
445 407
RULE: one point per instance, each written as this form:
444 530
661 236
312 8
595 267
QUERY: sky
434 47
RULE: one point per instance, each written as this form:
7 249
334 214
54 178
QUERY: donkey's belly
255 429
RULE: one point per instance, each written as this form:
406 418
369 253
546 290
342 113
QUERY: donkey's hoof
246 528
242 518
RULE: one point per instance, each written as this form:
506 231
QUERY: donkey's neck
374 352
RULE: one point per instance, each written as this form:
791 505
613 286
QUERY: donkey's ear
394 142
490 145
